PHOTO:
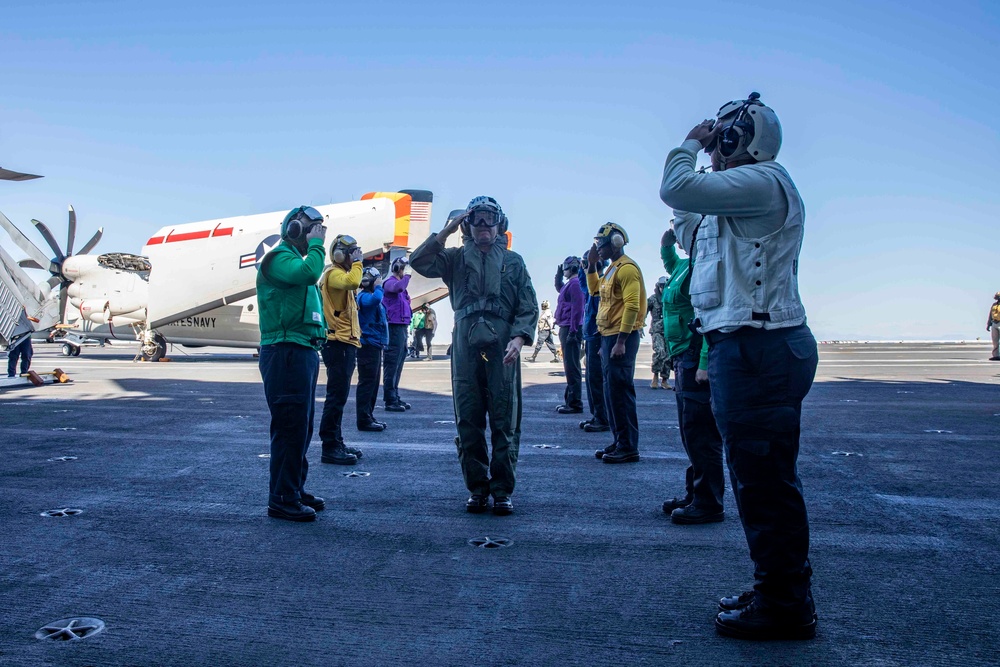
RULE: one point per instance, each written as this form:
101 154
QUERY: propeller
37 260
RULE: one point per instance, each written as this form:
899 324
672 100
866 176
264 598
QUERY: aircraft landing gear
70 350
155 349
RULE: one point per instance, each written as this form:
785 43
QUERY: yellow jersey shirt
339 289
623 297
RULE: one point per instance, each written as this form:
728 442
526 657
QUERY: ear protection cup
614 234
337 251
291 227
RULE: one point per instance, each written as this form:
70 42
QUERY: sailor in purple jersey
398 312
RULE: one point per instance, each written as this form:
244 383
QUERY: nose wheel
69 350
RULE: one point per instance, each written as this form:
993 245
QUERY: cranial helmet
612 233
748 127
489 205
997 295
298 221
571 263
341 248
369 276
661 281
545 305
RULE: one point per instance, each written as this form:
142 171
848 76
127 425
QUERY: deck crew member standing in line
374 338
619 318
598 422
495 315
292 329
705 478
762 357
661 360
397 309
340 352
569 317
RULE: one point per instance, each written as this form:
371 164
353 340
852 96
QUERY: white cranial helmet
749 127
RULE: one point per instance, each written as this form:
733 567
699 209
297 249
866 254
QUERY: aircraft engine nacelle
124 306
94 310
75 266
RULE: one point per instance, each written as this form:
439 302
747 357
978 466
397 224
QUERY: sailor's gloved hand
701 376
668 239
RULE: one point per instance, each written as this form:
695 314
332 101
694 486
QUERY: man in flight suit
495 315
291 331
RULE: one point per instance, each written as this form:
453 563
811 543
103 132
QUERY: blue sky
143 115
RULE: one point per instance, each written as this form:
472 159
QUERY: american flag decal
420 211
246 261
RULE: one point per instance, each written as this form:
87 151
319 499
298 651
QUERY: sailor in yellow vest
993 326
620 316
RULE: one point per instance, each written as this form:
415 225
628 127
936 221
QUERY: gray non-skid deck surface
174 551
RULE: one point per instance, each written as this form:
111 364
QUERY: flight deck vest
749 282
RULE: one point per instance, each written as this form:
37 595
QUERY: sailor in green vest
496 313
292 329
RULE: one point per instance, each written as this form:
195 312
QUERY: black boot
338 455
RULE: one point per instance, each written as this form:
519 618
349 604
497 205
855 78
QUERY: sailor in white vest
742 225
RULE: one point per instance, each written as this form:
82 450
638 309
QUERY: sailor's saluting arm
430 259
734 192
292 269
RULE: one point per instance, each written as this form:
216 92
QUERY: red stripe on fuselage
190 236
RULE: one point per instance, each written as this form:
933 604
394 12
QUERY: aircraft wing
8 175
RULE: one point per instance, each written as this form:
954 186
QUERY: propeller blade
49 238
30 264
62 305
71 233
53 281
92 242
22 241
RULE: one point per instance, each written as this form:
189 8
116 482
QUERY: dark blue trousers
289 372
369 366
24 352
340 360
595 382
619 391
392 366
705 481
573 395
758 379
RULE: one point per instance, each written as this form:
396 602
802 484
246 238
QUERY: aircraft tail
413 215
